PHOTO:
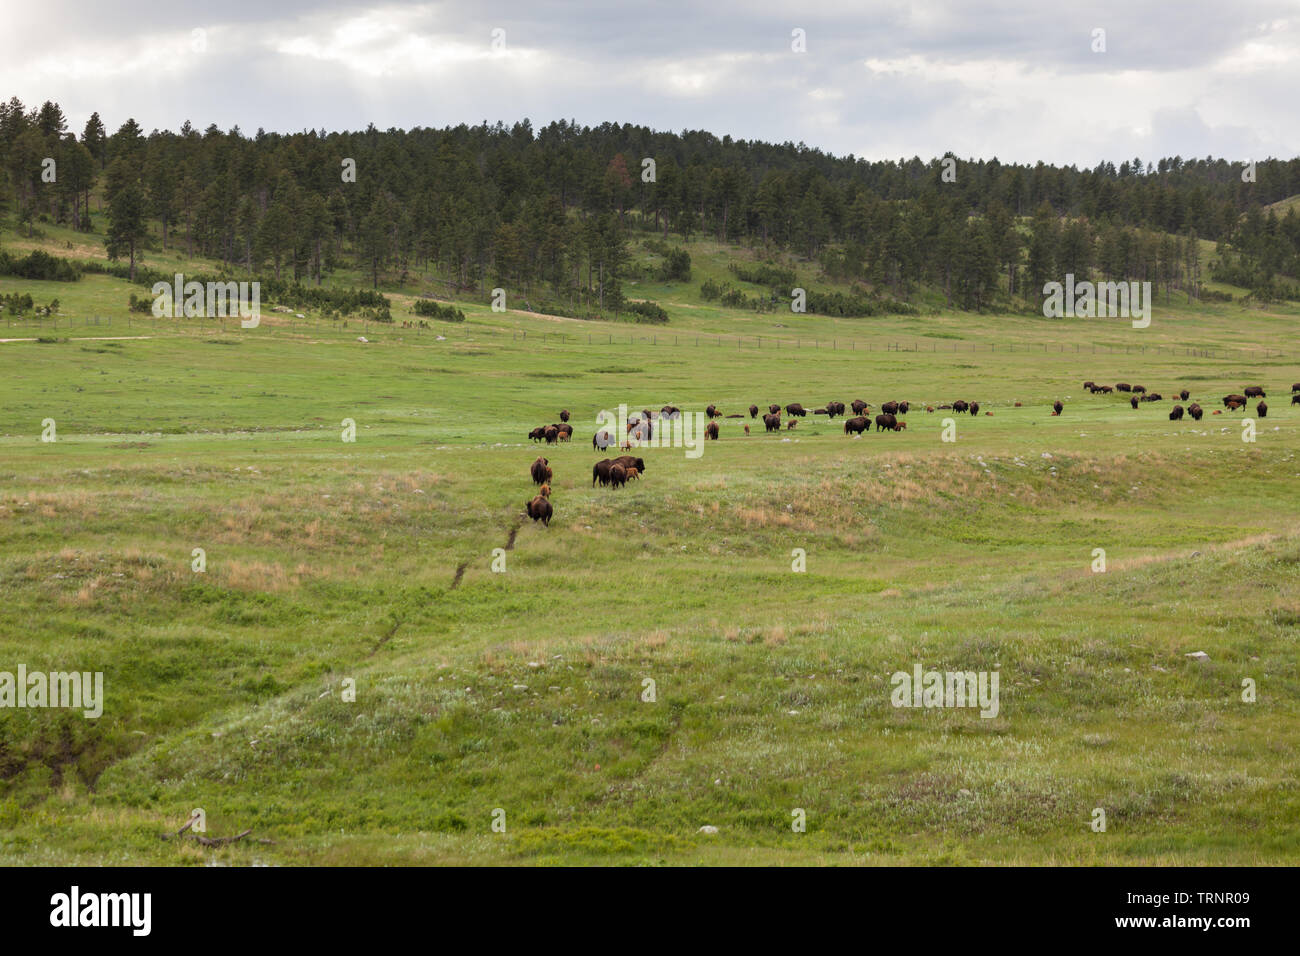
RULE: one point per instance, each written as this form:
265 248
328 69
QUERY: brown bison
629 461
712 411
960 405
772 422
774 409
1139 389
1184 394
1295 399
539 509
1254 391
974 408
753 411
670 411
1090 385
564 414
552 434
600 472
1133 401
1057 407
819 411
1195 411
617 475
545 490
1234 401
1296 387
790 425
796 410
834 408
889 408
1106 390
886 421
633 474
1176 413
541 471
859 406
564 432
602 440
1262 410
903 407
856 425
538 433
711 431
1123 387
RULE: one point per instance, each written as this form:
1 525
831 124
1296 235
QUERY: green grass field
476 691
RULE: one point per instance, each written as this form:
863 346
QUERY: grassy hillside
522 691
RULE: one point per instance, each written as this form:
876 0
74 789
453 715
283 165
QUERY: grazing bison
974 408
1254 391
1295 399
1195 411
541 471
834 408
565 432
538 433
796 410
711 431
600 472
886 421
1139 389
1090 385
1296 387
552 434
617 475
1176 413
1234 401
564 414
539 509
1106 390
772 422
856 425
1262 410
1057 407
628 461
1184 394
774 409
712 411
1133 401
670 411
960 405
602 440
901 426
753 411
859 406
1123 387
890 408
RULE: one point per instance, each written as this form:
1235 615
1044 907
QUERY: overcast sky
1017 80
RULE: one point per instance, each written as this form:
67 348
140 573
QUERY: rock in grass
1198 655
708 828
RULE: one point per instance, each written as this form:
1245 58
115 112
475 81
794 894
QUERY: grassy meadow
476 691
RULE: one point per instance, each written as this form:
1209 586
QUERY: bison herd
1233 402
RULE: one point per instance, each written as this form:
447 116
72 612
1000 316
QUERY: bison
1234 401
903 407
1195 411
753 411
796 410
628 461
1123 387
772 422
564 432
960 405
1133 401
1296 387
564 414
790 425
886 421
1176 413
856 425
1184 394
774 409
633 474
1295 399
670 411
600 472
974 408
538 433
834 408
1106 390
859 406
1090 385
711 431
712 411
552 434
1139 389
1057 407
539 509
545 490
602 440
889 408
1262 410
617 475
1254 391
541 471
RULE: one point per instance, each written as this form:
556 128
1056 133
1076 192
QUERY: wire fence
453 332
